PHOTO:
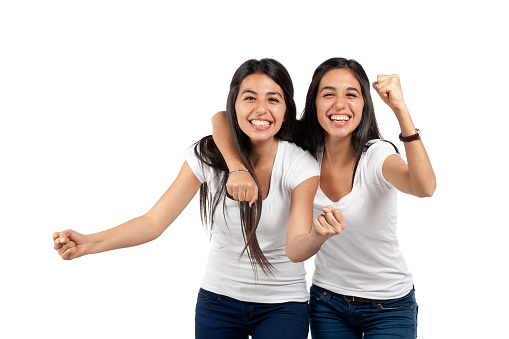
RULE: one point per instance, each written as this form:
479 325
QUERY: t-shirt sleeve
377 153
195 164
303 167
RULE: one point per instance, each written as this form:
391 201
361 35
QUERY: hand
389 89
71 244
329 224
242 187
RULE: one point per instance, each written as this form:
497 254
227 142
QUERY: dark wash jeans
221 317
333 317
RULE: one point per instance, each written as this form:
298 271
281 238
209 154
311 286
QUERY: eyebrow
332 88
268 93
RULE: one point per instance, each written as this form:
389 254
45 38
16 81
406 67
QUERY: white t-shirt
229 275
364 260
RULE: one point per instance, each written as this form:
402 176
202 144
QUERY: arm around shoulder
240 185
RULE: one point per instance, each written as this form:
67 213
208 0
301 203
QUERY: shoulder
378 148
379 144
198 158
295 154
373 159
296 165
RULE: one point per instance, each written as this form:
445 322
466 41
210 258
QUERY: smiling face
260 107
339 103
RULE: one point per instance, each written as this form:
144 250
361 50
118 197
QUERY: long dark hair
209 154
312 133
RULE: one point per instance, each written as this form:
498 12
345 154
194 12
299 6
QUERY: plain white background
99 99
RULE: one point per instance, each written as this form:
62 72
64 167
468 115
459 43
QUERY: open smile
260 124
339 119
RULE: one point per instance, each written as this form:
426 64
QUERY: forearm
303 247
224 142
135 232
420 170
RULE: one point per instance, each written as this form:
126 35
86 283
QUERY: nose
261 108
340 103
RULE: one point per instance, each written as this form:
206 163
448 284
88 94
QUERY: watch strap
412 137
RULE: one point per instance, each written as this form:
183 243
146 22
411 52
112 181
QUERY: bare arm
240 185
71 244
417 177
305 236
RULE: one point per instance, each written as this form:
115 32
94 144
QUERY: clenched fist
329 224
70 244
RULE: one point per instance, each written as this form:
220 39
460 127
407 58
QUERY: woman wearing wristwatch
361 285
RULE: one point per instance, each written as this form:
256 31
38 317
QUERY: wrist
239 170
316 239
94 243
235 165
406 124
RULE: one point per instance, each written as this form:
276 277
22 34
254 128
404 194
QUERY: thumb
328 209
65 236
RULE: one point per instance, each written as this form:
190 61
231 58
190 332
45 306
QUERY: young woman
251 287
361 285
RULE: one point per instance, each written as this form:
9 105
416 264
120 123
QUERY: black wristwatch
412 137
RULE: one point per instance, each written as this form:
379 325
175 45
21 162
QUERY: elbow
293 256
217 116
428 191
153 228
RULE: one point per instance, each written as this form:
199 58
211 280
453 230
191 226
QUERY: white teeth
260 123
339 117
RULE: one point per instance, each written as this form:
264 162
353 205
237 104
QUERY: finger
339 217
325 227
241 194
382 77
57 244
388 81
336 226
254 197
66 247
331 219
69 253
248 193
234 193
56 235
381 86
318 228
65 235
230 190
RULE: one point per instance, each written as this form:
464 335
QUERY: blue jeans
221 317
333 317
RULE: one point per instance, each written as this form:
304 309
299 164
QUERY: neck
260 152
338 150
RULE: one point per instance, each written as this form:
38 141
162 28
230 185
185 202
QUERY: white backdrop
99 99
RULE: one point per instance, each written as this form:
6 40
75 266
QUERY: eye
274 100
249 98
328 95
352 95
